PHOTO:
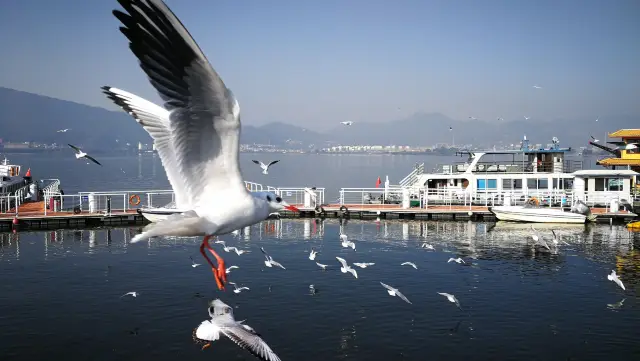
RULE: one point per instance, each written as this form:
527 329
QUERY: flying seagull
347 123
204 129
223 322
64 130
394 292
81 154
265 167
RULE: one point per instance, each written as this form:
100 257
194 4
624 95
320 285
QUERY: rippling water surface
61 293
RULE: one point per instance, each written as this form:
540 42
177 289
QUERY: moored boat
536 215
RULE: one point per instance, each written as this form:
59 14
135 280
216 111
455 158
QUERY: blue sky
315 63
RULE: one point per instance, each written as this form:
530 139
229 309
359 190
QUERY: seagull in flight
363 265
346 268
428 246
63 130
265 167
269 262
346 243
394 292
537 87
451 298
203 131
134 294
456 260
193 263
409 264
323 266
347 123
222 322
238 251
527 118
237 289
473 118
539 240
594 139
81 154
614 277
557 240
312 255
228 270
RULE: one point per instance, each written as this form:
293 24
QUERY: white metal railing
298 196
412 177
368 196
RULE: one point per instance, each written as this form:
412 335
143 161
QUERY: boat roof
605 173
517 151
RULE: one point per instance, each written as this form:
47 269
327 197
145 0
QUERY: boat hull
158 214
536 215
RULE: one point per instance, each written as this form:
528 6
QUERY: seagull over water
594 139
346 243
269 262
134 294
312 254
614 277
193 263
427 246
456 260
394 292
265 167
228 270
323 266
363 265
451 298
81 154
538 239
237 289
64 130
410 264
203 133
346 268
222 322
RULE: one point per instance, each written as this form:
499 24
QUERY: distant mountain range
30 117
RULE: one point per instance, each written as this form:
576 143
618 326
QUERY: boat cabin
10 179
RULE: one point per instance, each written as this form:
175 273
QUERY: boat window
567 183
586 185
556 183
532 183
517 184
609 184
492 183
507 183
599 184
543 183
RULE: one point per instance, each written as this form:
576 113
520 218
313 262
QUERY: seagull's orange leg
222 270
219 281
207 345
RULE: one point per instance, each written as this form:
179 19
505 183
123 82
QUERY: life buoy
344 210
76 210
134 200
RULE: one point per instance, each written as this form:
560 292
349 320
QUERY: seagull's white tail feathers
208 331
185 224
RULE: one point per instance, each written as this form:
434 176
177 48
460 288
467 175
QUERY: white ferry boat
507 178
17 188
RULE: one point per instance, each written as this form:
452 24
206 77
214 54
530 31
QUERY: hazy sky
315 63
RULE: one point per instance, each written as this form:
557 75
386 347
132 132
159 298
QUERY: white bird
363 265
594 139
456 260
237 289
228 270
193 263
238 251
81 154
203 131
395 292
265 167
347 123
313 254
410 264
323 266
451 298
557 240
346 268
539 240
614 277
64 130
346 243
134 294
500 118
427 246
473 118
527 118
537 87
223 322
598 118
269 262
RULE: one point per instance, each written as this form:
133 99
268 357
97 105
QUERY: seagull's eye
278 199
268 198
211 309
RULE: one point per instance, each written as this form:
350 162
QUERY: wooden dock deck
31 215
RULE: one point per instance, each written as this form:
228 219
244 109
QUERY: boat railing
9 202
369 196
567 166
298 196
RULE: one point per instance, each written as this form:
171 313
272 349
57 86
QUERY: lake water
60 293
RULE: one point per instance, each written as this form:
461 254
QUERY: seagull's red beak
291 208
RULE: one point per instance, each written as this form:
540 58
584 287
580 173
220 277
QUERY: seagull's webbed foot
206 345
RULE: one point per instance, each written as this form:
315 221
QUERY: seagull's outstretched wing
344 263
205 116
92 159
78 150
257 162
249 340
155 120
272 163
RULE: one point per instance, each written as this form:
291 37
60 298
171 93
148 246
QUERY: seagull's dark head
275 202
